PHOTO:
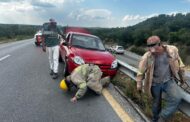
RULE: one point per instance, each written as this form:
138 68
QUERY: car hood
94 56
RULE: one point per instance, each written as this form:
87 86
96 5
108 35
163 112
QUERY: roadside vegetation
128 87
15 32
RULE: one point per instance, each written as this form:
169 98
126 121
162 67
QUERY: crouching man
83 77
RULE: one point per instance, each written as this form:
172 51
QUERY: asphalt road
29 94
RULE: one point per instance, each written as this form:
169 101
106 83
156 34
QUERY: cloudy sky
88 13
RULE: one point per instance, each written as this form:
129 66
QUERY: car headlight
114 64
78 60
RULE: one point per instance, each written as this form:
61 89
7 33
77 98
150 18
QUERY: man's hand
74 99
139 86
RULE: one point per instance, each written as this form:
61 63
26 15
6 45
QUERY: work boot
55 76
51 72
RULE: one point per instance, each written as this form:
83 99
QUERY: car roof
39 33
85 34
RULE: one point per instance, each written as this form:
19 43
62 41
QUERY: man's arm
80 93
60 32
141 72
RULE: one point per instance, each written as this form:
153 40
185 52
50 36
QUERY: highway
29 94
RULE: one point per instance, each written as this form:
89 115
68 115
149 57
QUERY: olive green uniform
88 75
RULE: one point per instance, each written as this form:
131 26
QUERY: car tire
60 58
65 69
36 44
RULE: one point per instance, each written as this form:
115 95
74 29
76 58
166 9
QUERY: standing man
160 66
83 77
51 40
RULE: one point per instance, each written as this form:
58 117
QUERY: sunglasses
152 45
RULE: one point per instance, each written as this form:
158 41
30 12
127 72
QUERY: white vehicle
119 49
38 38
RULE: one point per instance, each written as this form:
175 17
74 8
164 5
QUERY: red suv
82 48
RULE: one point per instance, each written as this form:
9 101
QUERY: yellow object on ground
63 85
123 115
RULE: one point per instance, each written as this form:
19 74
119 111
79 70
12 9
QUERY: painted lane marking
3 58
117 107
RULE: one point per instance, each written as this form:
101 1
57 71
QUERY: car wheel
60 58
36 43
65 69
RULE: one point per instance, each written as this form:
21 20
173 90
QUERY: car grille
103 67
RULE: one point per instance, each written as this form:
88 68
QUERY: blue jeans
172 99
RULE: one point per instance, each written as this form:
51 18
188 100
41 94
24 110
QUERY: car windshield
87 42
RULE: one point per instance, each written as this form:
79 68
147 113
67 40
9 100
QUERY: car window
87 42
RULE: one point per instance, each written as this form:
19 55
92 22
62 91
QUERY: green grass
128 86
16 38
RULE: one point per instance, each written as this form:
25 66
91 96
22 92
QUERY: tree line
172 29
12 31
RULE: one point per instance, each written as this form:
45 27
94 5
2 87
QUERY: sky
88 13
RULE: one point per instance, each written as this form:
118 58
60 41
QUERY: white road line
4 57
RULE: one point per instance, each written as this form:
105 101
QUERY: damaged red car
80 47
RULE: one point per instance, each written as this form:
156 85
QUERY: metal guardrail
131 71
132 55
127 69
